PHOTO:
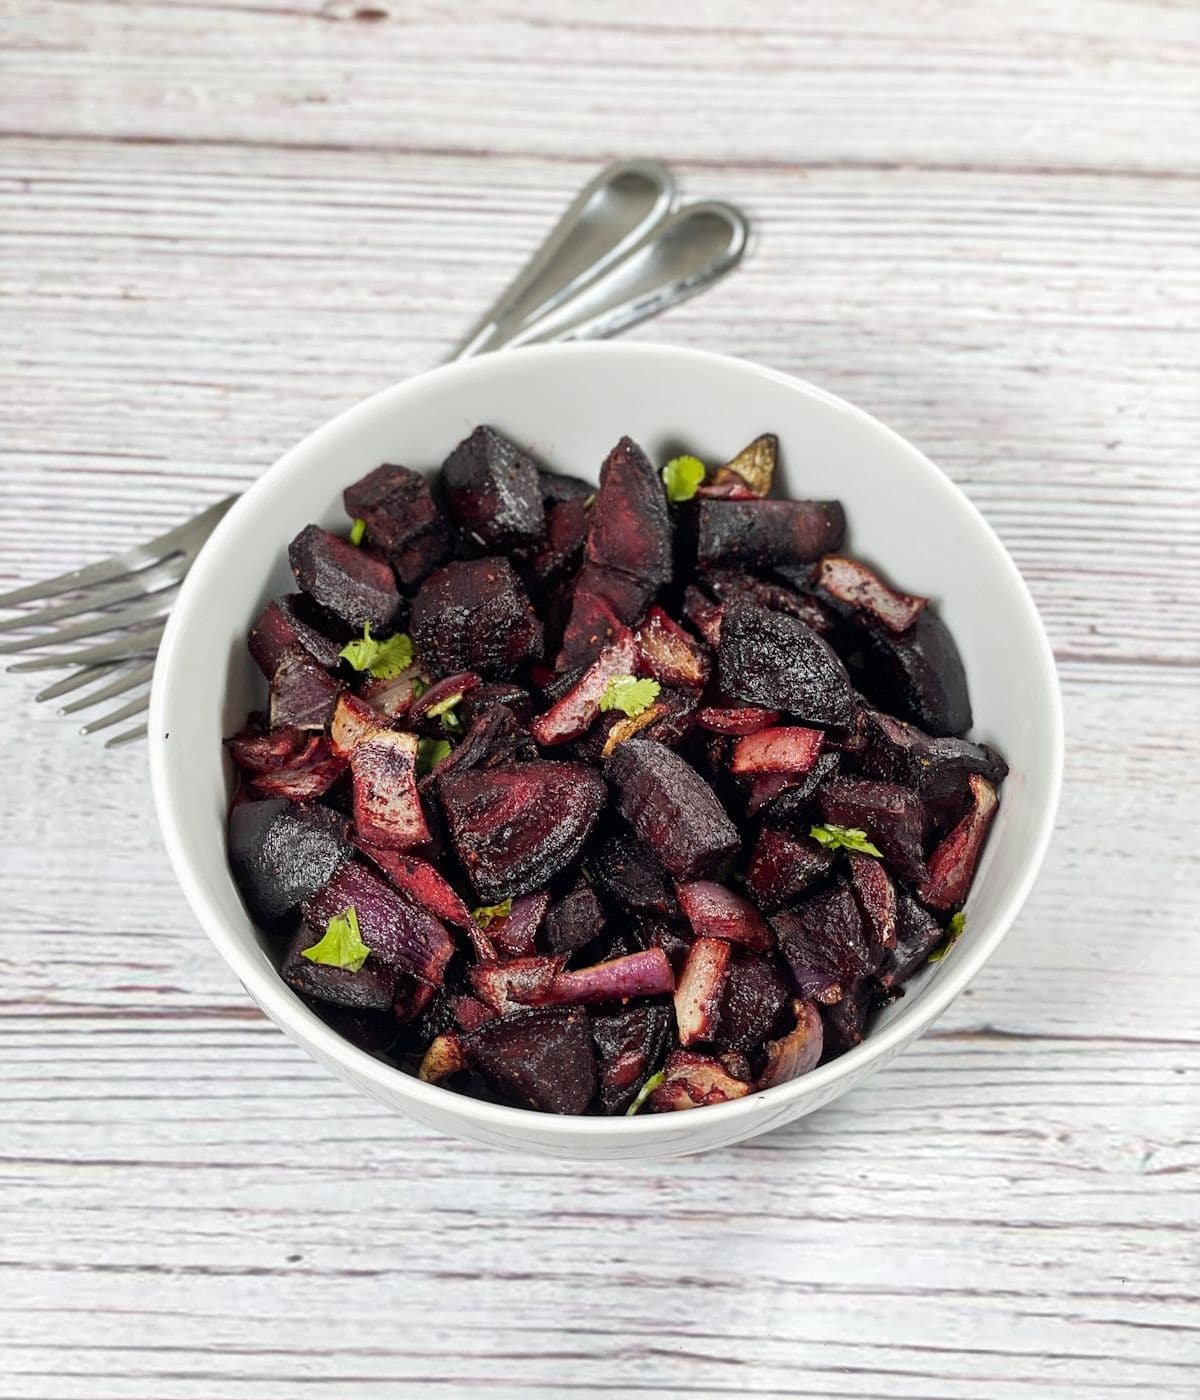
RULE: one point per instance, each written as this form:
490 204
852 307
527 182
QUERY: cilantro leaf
342 945
682 476
851 838
629 695
385 660
644 1092
487 914
954 929
357 531
431 752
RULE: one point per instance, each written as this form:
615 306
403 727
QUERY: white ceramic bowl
568 404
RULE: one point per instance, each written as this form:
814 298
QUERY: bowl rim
277 1000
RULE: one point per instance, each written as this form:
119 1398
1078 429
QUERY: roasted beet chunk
918 676
937 769
918 933
387 809
543 1059
825 945
766 533
632 876
850 583
493 492
556 486
753 1005
401 518
846 1020
876 896
514 827
371 988
631 1043
285 624
282 853
892 816
783 867
631 526
474 616
952 865
672 808
734 586
775 661
560 552
355 584
303 694
574 920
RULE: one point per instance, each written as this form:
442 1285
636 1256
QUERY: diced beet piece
952 864
630 1042
630 525
631 875
425 713
703 614
796 1052
733 586
824 944
853 584
474 615
714 911
656 931
444 1057
674 713
876 896
937 769
783 867
579 708
846 1021
544 1058
352 582
372 1029
307 774
766 787
795 805
765 533
496 694
558 486
891 815
754 465
693 1081
671 808
416 561
421 882
769 659
387 808
413 1000
746 720
396 931
262 753
753 1005
470 1012
560 553
642 974
786 749
574 920
700 988
303 693
516 826
918 676
668 653
918 933
353 721
372 987
603 599
505 986
515 934
394 697
494 737
280 627
402 518
281 853
493 492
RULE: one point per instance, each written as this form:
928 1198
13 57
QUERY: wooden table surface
224 220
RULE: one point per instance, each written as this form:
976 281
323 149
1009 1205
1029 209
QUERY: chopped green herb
589 501
357 531
342 945
953 933
849 837
487 914
431 752
645 1091
682 477
385 660
629 695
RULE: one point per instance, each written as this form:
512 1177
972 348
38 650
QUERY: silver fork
623 251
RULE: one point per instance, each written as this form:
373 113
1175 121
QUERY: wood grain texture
223 220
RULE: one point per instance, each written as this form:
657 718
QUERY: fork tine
84 676
157 605
127 736
141 643
134 707
148 581
138 676
181 539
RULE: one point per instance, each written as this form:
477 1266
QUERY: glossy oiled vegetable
633 800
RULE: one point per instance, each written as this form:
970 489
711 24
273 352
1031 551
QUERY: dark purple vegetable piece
693 1081
795 804
515 934
515 826
306 775
579 708
761 534
353 583
387 807
700 988
603 599
543 1058
703 614
630 1043
281 626
281 853
824 944
952 864
560 552
668 653
397 931
796 1052
918 933
470 1012
734 585
723 719
558 486
631 526
918 676
417 560
401 518
674 712
937 769
493 492
496 694
715 911
853 584
372 987
783 867
846 1021
494 738
372 1030
671 808
574 920
892 816
421 882
784 749
303 693
753 1005
646 973
474 615
774 661
262 753
657 931
876 896
632 876
506 986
